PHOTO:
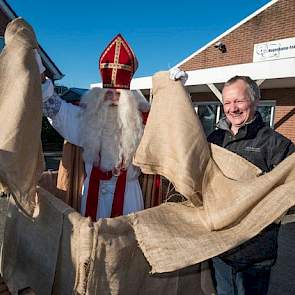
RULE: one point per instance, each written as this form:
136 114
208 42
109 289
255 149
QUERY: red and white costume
109 134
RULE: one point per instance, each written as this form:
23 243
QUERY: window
267 110
208 113
1 43
211 112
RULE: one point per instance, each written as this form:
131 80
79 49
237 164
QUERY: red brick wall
284 111
285 121
276 22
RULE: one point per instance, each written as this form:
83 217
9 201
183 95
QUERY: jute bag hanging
21 115
229 201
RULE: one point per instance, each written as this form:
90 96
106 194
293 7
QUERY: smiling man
238 103
246 269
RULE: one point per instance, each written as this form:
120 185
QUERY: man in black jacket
246 268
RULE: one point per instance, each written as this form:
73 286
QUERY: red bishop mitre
117 64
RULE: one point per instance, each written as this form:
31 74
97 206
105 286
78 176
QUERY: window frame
272 104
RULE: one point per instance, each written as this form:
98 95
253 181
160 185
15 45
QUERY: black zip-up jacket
265 148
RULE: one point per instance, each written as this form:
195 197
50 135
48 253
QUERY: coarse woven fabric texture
229 200
59 251
31 247
154 251
71 175
20 108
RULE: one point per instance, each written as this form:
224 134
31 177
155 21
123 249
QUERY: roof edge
271 69
252 15
8 10
57 74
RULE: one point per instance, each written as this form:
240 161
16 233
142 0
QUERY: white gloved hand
39 61
177 74
47 89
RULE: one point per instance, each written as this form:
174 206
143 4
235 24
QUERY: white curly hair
126 131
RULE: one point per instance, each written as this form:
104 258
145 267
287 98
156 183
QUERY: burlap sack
71 175
62 252
73 263
31 247
20 108
230 203
166 153
119 266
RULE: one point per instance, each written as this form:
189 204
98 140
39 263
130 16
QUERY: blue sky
161 33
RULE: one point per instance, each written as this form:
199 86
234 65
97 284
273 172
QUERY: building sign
277 49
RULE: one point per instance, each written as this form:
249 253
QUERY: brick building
6 15
268 29
261 46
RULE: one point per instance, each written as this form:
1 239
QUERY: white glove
39 61
177 74
47 89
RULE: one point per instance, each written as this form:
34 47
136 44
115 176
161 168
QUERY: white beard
111 134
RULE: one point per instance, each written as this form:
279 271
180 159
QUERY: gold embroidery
116 61
115 65
117 86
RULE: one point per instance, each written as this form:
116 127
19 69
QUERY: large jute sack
61 252
58 251
229 200
119 266
154 251
21 115
31 247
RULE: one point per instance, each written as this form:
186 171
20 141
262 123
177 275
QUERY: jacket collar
249 128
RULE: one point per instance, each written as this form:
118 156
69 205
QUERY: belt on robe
93 192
